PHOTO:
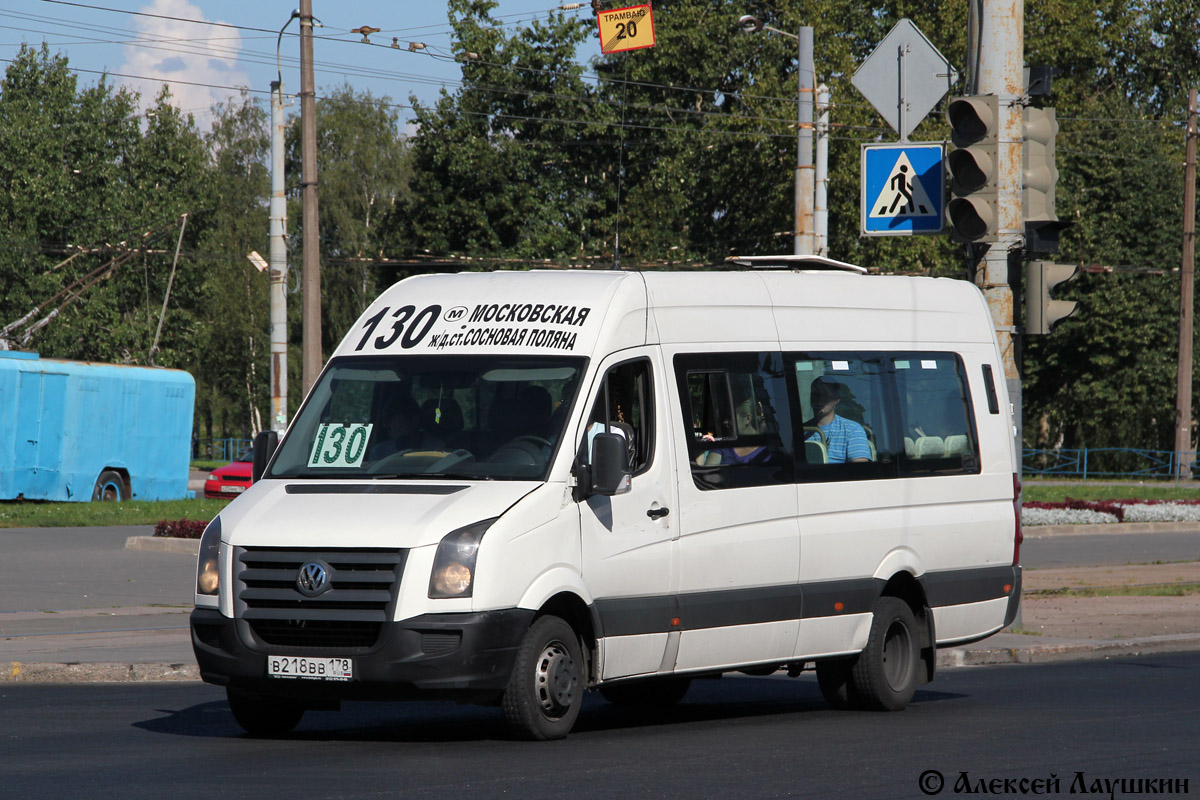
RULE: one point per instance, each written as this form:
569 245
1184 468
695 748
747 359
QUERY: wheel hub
555 679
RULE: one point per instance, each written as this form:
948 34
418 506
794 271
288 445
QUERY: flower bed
1079 512
180 528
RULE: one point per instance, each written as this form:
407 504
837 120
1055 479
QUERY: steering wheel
539 441
523 450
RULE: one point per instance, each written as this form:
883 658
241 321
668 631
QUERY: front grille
349 615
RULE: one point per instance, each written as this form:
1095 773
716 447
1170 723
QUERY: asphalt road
78 568
1105 549
734 738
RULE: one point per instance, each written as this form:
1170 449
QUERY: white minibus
515 487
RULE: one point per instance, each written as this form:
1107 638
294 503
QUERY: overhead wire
358 70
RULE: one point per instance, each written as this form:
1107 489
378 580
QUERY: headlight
212 476
454 565
206 565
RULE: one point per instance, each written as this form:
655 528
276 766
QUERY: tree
363 173
506 165
233 351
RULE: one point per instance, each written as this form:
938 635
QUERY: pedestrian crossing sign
903 189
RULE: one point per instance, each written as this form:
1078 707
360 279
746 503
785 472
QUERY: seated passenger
402 431
749 422
845 440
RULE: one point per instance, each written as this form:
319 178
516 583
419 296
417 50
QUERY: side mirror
610 474
264 447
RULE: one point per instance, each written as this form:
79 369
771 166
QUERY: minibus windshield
485 417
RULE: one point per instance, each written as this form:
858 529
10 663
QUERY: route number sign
626 29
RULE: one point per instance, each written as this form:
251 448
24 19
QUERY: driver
403 427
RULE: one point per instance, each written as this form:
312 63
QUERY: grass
208 466
1023 632
1036 491
1149 590
31 514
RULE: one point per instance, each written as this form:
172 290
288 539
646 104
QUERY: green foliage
363 172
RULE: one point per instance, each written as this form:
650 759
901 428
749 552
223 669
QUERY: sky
206 49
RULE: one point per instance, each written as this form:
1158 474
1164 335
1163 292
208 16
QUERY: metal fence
1108 462
219 449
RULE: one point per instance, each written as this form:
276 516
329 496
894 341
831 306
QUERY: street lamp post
803 231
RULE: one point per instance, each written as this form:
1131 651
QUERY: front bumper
469 656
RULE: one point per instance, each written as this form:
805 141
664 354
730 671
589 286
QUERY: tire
650 693
264 716
110 487
837 687
886 672
545 692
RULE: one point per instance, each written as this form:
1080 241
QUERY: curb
76 672
1034 531
163 544
1069 651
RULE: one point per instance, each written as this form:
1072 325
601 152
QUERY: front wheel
264 716
885 673
545 692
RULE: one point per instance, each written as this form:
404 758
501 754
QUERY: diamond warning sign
626 29
903 189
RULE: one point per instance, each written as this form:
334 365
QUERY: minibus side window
844 416
626 403
936 415
737 419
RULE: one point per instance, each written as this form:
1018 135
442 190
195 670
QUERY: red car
232 479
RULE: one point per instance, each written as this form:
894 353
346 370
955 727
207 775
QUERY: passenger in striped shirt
845 440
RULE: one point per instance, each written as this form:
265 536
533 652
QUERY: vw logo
455 314
312 579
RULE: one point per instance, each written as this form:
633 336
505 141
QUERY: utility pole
311 273
278 266
1183 386
806 73
1001 73
821 206
804 225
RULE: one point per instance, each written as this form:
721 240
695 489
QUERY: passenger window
625 405
843 399
737 417
935 414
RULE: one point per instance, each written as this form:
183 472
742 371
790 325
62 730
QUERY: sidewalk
130 623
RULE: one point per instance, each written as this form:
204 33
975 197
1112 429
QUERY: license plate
320 669
233 489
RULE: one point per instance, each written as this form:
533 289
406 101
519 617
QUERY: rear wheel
264 716
885 674
110 487
651 693
545 692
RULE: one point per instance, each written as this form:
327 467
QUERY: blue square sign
903 189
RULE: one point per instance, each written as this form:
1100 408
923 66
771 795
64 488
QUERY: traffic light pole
1001 50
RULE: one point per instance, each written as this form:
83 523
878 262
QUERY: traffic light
974 131
1039 174
1042 312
